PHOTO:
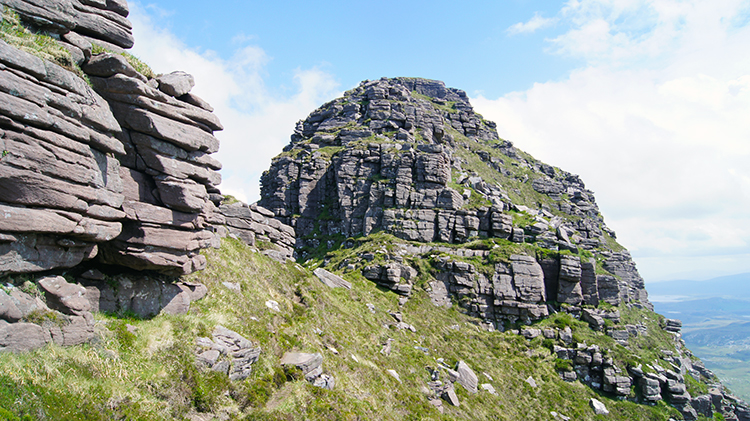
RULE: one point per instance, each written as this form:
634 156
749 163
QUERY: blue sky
464 44
648 100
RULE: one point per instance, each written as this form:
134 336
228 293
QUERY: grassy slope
151 374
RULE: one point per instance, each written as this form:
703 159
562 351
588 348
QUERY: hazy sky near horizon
649 101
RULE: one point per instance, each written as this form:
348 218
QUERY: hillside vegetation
146 369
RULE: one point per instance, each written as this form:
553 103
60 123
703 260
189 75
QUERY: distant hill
694 312
737 333
732 286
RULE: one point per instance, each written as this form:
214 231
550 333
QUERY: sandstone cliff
106 169
411 158
100 160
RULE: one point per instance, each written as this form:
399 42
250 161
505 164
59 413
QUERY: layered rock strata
77 22
118 169
227 352
592 366
256 227
411 158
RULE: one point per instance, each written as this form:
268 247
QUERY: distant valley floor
715 327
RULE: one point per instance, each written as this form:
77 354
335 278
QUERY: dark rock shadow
140 294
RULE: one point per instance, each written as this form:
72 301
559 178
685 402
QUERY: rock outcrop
144 296
79 21
227 352
257 227
410 157
52 311
593 366
109 163
311 366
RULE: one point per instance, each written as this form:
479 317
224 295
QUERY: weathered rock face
51 309
118 169
255 226
141 295
398 182
102 21
409 157
27 322
227 352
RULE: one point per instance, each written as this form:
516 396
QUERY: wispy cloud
656 124
158 11
257 122
535 23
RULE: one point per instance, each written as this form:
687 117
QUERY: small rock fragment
232 286
273 305
450 396
466 377
598 407
489 388
331 280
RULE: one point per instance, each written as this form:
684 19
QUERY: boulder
108 64
64 296
22 337
8 309
593 318
176 84
78 330
227 352
466 377
598 407
450 396
330 279
311 366
530 333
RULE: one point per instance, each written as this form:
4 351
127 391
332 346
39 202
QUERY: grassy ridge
150 373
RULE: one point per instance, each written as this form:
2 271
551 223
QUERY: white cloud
535 23
656 124
257 123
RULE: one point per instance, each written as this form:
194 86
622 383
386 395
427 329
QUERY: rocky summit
410 157
404 262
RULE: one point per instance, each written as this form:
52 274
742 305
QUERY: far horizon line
701 279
